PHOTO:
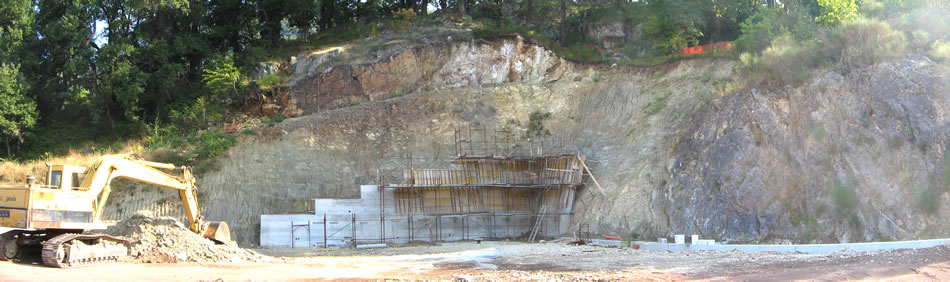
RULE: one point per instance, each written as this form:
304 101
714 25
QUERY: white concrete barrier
804 248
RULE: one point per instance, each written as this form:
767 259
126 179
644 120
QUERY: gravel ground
508 261
558 261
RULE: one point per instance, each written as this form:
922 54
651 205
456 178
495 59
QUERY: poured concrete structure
485 196
341 222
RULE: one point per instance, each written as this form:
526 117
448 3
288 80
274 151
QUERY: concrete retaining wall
308 230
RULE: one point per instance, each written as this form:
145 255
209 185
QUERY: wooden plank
592 176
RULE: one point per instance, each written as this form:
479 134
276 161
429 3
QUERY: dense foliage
74 71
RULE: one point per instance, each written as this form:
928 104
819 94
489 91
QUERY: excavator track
78 250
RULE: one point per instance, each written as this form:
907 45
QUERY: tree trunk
425 8
443 4
461 6
564 22
7 141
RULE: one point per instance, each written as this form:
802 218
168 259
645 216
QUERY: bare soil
166 240
501 261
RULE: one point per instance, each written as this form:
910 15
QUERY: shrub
536 125
758 31
669 36
213 143
928 201
269 80
249 131
785 62
846 200
941 50
402 19
276 119
221 76
866 42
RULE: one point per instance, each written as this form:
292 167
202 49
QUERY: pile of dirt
166 240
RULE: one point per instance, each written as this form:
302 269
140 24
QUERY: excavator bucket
217 231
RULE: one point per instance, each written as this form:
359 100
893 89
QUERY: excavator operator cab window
77 179
56 178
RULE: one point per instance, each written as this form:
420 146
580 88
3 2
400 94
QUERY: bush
865 42
276 119
536 125
402 19
928 201
759 30
669 36
941 50
213 143
853 44
786 61
269 80
846 200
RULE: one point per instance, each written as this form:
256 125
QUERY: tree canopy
115 67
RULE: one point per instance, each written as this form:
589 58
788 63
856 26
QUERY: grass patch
657 104
207 166
280 117
213 143
397 94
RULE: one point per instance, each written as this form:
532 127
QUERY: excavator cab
64 177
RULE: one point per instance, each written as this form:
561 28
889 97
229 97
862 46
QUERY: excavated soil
167 240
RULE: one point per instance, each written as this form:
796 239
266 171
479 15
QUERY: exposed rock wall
322 84
847 157
850 157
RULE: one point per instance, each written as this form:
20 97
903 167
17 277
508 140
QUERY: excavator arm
100 175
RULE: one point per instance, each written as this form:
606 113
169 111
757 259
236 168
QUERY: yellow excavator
53 216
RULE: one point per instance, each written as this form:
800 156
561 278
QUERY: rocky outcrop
850 157
322 85
609 34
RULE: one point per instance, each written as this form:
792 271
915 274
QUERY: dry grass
15 172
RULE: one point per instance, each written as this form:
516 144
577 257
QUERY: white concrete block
679 239
694 239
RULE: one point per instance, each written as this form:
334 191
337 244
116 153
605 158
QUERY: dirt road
507 261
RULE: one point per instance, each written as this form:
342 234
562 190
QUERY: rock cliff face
853 157
321 84
848 157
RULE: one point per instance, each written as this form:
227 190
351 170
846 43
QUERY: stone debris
166 240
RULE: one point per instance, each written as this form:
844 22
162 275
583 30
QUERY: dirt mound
166 240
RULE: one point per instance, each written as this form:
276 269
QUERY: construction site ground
519 261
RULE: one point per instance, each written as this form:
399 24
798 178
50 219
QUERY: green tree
221 77
759 30
835 11
17 110
674 24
